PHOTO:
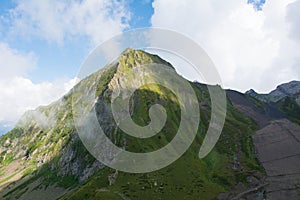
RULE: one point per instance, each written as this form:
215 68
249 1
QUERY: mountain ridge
290 89
48 152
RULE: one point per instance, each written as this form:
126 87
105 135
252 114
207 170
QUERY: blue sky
257 4
63 60
44 43
54 60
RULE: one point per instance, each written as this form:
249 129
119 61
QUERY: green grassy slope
55 155
291 108
188 177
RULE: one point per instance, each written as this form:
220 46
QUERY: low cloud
20 94
40 118
17 92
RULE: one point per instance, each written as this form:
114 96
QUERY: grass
9 157
104 80
186 178
290 107
28 172
257 103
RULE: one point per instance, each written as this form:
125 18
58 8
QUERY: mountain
291 89
286 97
43 157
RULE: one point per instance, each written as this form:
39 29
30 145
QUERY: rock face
278 149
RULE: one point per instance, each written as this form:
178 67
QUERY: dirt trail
12 172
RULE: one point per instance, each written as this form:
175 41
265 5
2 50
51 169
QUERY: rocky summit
256 157
291 89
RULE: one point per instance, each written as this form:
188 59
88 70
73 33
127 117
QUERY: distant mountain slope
291 89
261 112
277 142
43 157
285 98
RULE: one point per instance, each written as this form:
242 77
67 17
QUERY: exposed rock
291 89
252 181
223 196
112 178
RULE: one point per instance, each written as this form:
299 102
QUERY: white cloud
14 63
56 20
293 17
19 93
251 49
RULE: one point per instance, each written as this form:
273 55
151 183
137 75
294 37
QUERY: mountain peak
128 50
290 89
251 92
131 57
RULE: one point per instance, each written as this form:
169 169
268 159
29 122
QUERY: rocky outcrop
291 89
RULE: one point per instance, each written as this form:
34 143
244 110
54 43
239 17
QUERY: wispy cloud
56 21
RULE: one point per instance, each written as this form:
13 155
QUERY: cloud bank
17 92
251 48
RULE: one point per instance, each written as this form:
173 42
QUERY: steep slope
277 141
290 107
285 98
278 149
43 155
